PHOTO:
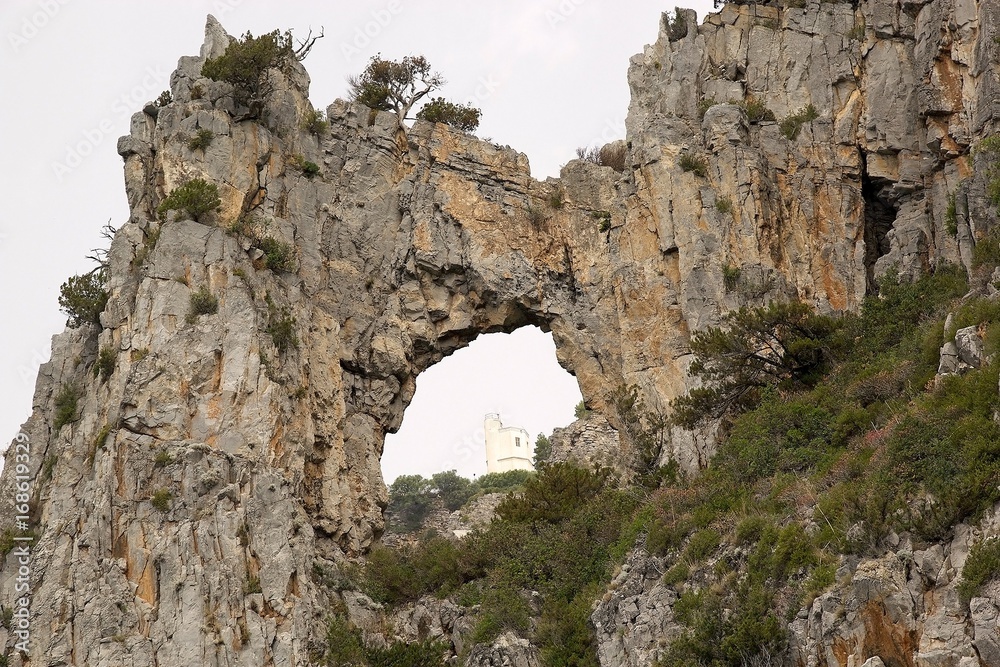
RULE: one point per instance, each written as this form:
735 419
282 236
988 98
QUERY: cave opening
515 375
880 216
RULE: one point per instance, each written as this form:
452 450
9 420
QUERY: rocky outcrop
180 514
589 442
508 650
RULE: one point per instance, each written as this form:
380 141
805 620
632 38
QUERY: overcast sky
549 76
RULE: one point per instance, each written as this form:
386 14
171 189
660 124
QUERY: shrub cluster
83 298
66 406
315 122
201 139
560 536
245 66
459 116
756 110
792 125
105 365
203 302
411 497
612 155
195 197
278 255
281 327
693 163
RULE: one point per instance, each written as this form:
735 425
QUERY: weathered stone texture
410 244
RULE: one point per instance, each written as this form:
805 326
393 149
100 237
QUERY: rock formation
182 515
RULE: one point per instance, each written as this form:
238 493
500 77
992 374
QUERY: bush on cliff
83 298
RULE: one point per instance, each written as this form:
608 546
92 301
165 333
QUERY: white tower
507 448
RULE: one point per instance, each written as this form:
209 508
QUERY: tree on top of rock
246 62
391 85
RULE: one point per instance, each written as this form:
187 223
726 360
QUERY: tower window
517 442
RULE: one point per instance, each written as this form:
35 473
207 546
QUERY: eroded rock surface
262 452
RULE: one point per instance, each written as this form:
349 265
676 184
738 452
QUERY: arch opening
514 375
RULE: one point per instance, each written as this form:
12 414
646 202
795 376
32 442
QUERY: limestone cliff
263 456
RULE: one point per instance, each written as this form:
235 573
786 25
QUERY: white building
507 447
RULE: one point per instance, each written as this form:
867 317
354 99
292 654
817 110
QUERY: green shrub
409 501
783 343
693 163
66 406
99 439
677 574
201 140
553 494
987 252
731 277
991 147
83 298
792 125
196 198
163 459
502 610
857 33
309 169
981 566
203 302
701 545
251 585
503 482
951 215
161 500
345 648
459 116
604 217
315 122
165 98
724 205
556 199
677 27
105 364
47 467
453 490
756 110
245 66
564 631
281 327
704 105
543 450
278 255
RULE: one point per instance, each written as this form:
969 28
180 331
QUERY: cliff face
409 245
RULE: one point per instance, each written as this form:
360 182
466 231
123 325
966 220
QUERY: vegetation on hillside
846 441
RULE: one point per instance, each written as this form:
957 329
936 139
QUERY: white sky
549 76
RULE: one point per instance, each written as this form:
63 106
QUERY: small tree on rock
246 62
83 298
390 85
783 344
